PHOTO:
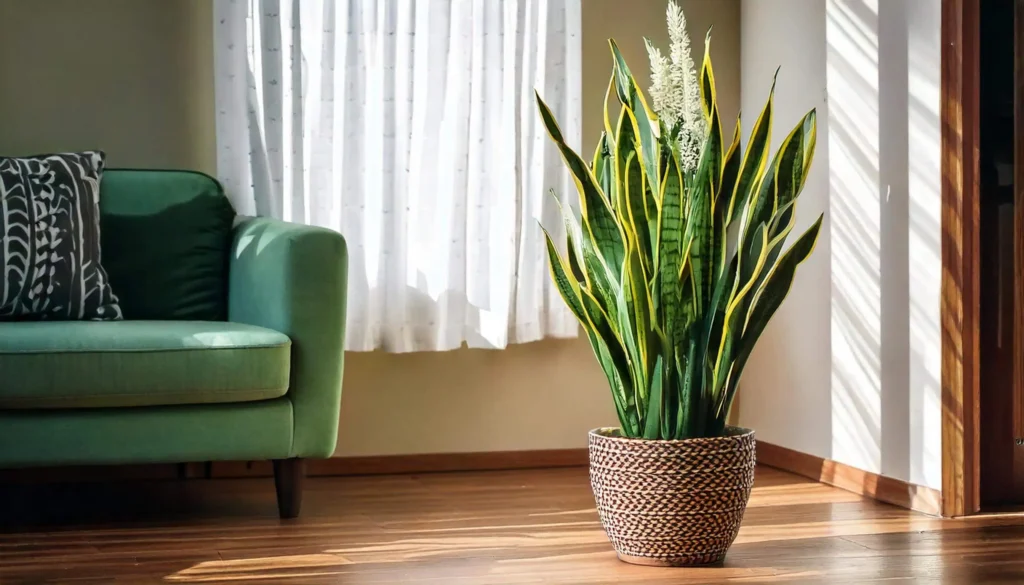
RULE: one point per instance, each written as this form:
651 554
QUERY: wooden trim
960 257
1018 220
858 481
420 463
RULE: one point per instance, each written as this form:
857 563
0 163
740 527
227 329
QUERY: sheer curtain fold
409 126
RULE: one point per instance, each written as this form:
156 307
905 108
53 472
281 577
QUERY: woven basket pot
671 503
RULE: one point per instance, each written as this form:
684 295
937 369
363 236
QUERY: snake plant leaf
781 225
714 319
792 164
687 292
599 321
779 229
707 81
636 212
627 176
633 322
709 104
767 300
603 168
730 173
750 260
706 245
719 244
614 365
601 231
637 209
653 428
624 408
606 146
669 248
785 176
698 238
789 183
647 122
622 75
609 131
736 311
574 240
693 397
795 160
567 286
754 159
613 368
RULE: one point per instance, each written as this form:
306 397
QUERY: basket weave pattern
672 502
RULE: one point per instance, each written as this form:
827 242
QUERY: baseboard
864 483
336 466
420 463
872 485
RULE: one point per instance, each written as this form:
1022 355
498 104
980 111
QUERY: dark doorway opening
1001 417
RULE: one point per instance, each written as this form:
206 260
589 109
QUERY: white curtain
409 126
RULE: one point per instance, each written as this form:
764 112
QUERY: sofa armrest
292 278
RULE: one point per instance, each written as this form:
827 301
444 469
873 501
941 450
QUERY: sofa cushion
139 363
166 236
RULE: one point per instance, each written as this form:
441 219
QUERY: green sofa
230 349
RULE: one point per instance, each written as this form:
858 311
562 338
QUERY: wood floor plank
493 528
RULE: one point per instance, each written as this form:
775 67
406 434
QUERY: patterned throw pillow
50 239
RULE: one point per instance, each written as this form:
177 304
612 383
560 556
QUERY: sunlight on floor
557 546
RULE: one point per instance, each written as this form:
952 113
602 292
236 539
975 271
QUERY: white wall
849 368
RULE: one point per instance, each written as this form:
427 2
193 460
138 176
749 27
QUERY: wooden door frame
961 261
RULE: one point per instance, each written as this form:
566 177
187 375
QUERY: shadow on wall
852 74
884 327
924 247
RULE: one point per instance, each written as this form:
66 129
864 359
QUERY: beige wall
134 77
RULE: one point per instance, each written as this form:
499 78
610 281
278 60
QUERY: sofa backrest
166 237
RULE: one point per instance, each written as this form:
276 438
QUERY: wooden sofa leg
289 475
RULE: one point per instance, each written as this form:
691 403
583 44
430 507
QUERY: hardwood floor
489 528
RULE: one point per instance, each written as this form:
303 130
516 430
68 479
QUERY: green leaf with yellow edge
567 286
671 212
736 310
730 173
707 81
625 149
647 121
709 103
604 327
767 301
601 231
609 131
754 159
574 240
603 166
637 213
655 409
707 241
785 176
795 160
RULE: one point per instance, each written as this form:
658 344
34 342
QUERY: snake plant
674 274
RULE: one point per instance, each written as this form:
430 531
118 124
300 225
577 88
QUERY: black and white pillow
50 239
